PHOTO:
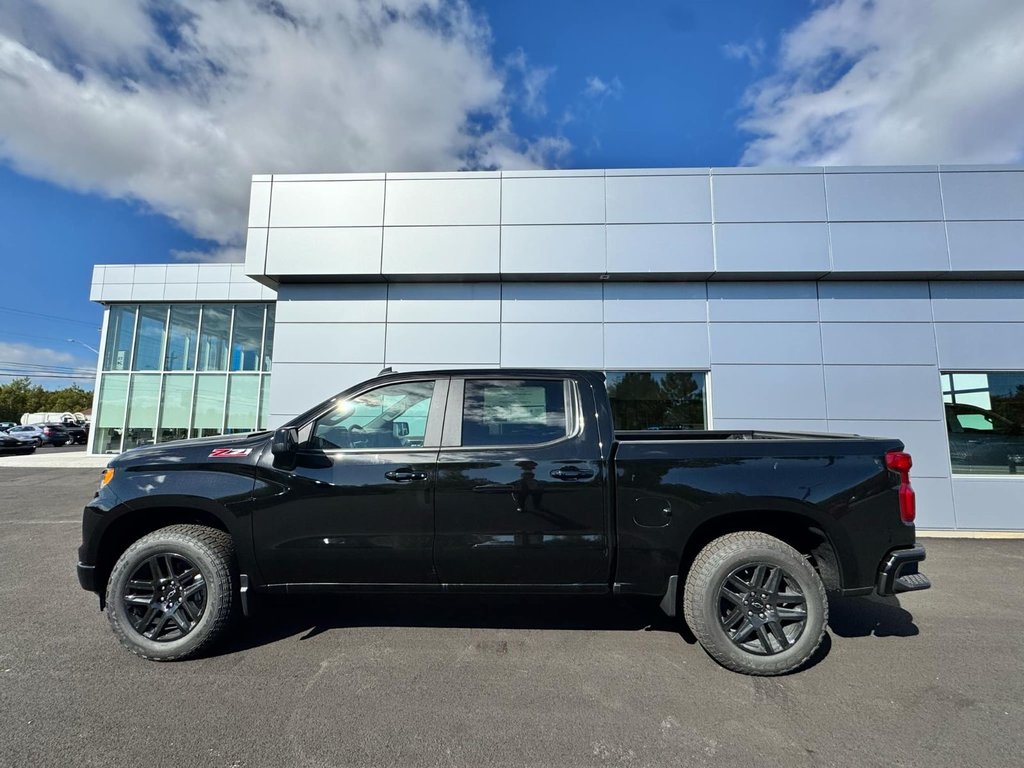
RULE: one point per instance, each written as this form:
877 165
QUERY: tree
20 396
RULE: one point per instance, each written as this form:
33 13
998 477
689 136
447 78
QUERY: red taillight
899 461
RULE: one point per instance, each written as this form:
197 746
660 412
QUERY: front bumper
898 572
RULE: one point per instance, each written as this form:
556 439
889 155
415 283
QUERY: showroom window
172 371
644 400
985 421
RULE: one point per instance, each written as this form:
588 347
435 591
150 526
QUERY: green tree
20 396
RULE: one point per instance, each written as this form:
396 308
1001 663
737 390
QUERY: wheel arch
802 532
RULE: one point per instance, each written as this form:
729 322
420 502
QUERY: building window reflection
985 422
643 400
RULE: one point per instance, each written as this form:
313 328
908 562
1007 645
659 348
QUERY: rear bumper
898 572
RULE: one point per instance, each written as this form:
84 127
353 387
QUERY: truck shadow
306 616
865 616
279 618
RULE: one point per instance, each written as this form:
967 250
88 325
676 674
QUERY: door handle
571 473
405 475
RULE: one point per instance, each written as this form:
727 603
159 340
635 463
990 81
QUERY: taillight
900 462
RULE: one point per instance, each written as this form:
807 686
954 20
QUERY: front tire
171 594
755 604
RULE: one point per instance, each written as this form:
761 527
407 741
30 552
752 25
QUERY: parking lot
934 679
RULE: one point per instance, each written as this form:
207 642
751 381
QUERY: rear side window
513 412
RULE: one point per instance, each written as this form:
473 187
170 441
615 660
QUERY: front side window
513 412
642 400
393 416
985 422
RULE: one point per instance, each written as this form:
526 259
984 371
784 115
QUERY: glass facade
174 371
985 422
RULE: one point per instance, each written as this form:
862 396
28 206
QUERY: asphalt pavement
932 679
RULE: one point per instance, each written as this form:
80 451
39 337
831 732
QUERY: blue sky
130 135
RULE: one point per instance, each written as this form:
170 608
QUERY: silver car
42 434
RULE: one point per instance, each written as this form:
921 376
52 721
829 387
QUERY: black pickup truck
502 481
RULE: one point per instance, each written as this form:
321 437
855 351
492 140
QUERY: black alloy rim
762 609
165 597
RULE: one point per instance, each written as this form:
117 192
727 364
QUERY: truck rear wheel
755 604
171 594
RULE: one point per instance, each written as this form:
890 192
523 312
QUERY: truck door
521 490
358 507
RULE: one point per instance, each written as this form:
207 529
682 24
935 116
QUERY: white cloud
179 114
752 52
226 253
596 88
889 82
534 81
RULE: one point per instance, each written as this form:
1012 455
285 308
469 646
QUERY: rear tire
171 595
755 604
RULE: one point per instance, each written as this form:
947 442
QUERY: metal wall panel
874 302
925 440
331 303
787 247
655 302
883 196
259 204
553 249
442 343
683 249
990 503
552 345
935 504
328 343
796 343
417 251
995 195
324 251
782 392
656 346
442 201
986 245
993 302
889 247
551 303
773 425
296 387
658 199
886 392
876 344
552 200
444 303
756 302
327 204
980 346
769 197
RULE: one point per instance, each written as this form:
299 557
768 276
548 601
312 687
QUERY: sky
129 134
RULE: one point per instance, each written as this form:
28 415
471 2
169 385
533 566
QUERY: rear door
521 486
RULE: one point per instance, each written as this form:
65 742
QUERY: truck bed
723 434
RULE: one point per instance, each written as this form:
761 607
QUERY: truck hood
220 449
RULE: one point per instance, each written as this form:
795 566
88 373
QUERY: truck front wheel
755 604
171 594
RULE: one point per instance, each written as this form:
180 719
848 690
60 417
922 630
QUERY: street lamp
91 349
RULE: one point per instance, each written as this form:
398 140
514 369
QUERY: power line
32 336
46 366
17 375
49 317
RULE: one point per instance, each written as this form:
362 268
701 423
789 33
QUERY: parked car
14 444
46 434
6 425
509 481
78 434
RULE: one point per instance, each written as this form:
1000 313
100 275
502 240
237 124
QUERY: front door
520 497
358 507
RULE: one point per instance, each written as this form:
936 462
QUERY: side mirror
285 448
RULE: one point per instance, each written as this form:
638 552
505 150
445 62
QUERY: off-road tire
212 552
702 601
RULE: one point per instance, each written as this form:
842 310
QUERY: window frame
954 471
431 435
451 438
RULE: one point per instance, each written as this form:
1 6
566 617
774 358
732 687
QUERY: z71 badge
229 453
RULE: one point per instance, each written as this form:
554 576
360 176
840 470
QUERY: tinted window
513 412
985 422
656 399
388 417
